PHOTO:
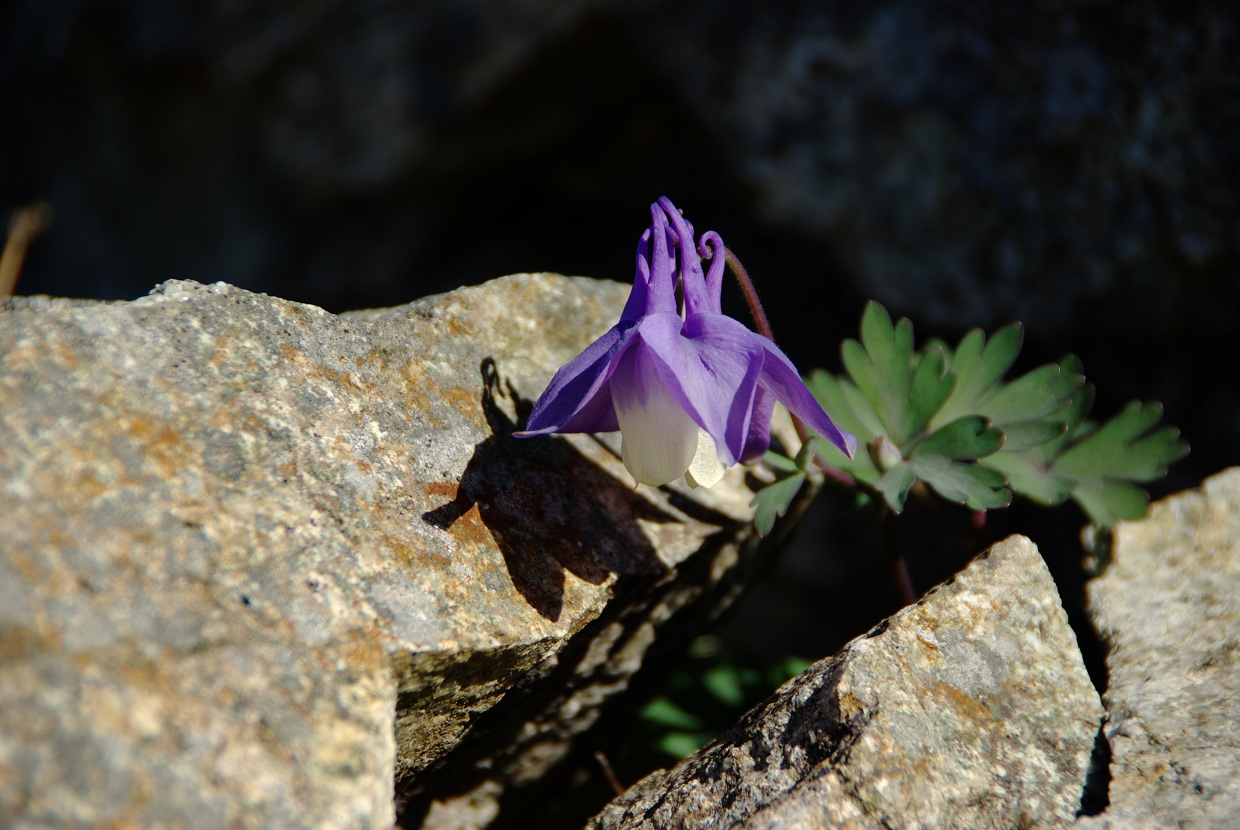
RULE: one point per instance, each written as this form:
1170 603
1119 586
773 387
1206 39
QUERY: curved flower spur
690 389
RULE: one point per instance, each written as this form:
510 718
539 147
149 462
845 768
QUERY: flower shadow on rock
549 508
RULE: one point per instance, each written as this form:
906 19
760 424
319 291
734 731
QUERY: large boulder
1167 604
971 708
262 566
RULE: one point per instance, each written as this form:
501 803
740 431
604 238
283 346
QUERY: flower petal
639 298
705 469
711 247
661 296
781 378
758 441
697 297
578 398
658 439
718 377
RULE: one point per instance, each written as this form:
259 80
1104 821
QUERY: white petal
658 439
705 469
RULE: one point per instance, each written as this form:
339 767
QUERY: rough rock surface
1167 603
971 708
258 562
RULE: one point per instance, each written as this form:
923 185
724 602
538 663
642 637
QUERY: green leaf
680 744
1029 477
931 386
1125 447
773 500
1031 472
970 437
863 411
895 484
1024 435
1032 395
784 670
1106 461
945 461
1023 408
724 684
829 390
1099 466
1108 501
946 416
1073 417
664 712
977 487
778 461
705 692
978 366
1071 378
880 366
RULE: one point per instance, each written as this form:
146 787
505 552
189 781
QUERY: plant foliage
706 693
947 420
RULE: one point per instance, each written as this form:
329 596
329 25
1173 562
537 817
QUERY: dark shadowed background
1073 165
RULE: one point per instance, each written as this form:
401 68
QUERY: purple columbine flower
690 389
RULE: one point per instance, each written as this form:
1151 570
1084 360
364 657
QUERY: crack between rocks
1096 794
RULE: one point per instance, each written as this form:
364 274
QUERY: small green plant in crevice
946 420
705 695
692 391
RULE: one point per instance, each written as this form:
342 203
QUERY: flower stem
27 223
764 328
899 569
751 295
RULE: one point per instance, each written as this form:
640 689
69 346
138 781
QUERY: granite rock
971 708
261 565
1167 605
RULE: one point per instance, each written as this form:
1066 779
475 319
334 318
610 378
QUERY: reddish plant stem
764 328
751 295
26 224
899 568
610 774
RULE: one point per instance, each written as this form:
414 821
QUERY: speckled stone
1167 604
971 708
259 562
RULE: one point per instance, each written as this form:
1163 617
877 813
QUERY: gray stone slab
1167 604
258 562
971 708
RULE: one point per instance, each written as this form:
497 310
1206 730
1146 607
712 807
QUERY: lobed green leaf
880 366
946 416
895 484
1029 477
978 366
1108 501
837 398
1036 394
969 437
1126 447
931 385
978 487
772 501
